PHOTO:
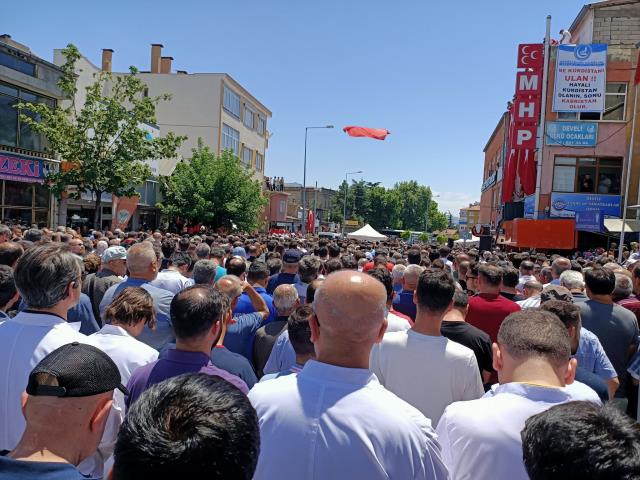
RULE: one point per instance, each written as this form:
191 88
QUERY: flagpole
628 169
543 115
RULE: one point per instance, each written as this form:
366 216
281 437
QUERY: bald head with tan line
348 319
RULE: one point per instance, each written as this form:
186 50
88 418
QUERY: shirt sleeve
634 366
473 386
603 366
445 444
374 363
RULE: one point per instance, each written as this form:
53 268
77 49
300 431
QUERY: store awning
614 225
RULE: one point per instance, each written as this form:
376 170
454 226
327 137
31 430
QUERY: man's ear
570 374
315 328
498 361
24 397
100 415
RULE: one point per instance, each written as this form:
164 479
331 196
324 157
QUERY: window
14 132
247 155
16 63
259 162
262 124
587 175
282 206
615 101
248 115
230 139
231 102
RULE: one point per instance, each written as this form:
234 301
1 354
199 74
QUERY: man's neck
194 346
534 372
428 323
453 315
31 449
509 290
606 299
575 290
59 310
146 277
489 291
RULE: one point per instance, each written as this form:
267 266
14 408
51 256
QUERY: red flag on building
377 133
311 221
527 171
636 79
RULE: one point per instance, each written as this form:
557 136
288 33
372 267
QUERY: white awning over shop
614 225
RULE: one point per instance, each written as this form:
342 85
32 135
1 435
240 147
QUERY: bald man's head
231 286
350 307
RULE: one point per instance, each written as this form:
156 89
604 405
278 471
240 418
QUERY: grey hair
308 268
572 280
231 291
44 272
203 251
398 271
204 271
140 256
4 230
624 287
412 274
284 298
533 285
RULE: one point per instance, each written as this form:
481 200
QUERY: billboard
581 78
572 134
588 209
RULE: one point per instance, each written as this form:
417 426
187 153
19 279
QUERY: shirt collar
108 329
533 392
190 358
259 289
43 319
333 373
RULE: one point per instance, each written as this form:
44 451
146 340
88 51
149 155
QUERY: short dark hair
510 277
311 290
10 252
257 271
491 273
168 246
526 265
190 426
323 251
196 309
299 330
581 440
460 299
275 265
383 276
349 262
435 290
332 265
308 268
7 285
414 257
131 306
535 333
334 250
236 266
568 313
33 235
444 251
180 258
601 281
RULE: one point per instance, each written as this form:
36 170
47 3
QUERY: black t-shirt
20 469
514 297
473 338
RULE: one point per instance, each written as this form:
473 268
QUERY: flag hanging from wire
636 79
376 133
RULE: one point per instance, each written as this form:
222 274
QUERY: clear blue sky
436 74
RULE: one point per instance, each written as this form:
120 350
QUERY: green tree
217 191
102 139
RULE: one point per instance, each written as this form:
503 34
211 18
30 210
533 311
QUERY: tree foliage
101 139
215 191
404 206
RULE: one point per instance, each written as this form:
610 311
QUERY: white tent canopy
367 233
473 241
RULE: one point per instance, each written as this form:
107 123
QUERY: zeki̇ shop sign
581 78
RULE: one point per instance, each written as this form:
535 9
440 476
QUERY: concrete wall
45 82
617 25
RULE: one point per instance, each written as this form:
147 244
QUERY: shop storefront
24 199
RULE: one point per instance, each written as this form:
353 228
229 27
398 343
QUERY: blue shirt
281 279
13 469
163 333
634 366
294 369
245 306
234 363
592 357
301 288
403 303
594 382
282 356
240 334
220 272
83 313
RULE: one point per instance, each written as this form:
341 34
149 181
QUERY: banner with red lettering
20 168
123 209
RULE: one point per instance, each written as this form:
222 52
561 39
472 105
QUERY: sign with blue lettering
570 205
529 206
572 134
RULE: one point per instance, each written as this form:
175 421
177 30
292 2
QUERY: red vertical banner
311 222
122 210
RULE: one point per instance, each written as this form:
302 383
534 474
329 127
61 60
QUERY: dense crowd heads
140 354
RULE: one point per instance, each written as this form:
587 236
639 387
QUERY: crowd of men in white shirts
150 354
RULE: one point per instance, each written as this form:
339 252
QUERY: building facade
587 171
25 156
319 200
469 216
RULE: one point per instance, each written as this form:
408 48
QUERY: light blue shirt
592 357
330 422
163 333
481 438
282 356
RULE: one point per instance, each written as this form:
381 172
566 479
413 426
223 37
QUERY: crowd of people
275 184
158 355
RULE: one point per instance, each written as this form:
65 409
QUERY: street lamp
304 179
426 217
346 189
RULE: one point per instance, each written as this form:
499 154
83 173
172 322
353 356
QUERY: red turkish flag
311 221
377 133
509 178
527 171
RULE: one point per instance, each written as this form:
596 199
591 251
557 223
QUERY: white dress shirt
426 371
481 438
531 302
330 422
24 341
171 280
396 323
